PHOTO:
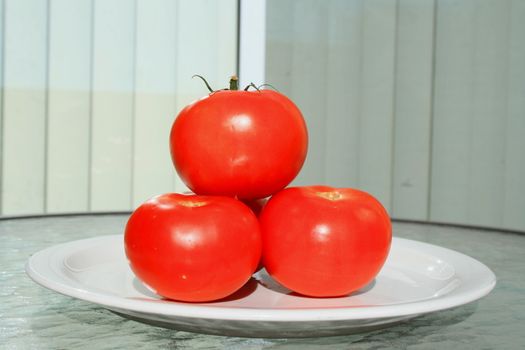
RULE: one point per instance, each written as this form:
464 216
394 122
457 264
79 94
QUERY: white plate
417 278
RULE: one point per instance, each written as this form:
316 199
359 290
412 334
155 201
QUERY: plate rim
201 311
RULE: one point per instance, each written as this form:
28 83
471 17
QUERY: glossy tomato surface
322 241
239 143
193 248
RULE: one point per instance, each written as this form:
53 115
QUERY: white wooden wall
89 91
420 102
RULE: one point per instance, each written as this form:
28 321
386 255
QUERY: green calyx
234 84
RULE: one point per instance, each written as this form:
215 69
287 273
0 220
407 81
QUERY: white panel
470 113
377 97
204 49
226 51
413 105
489 114
69 105
194 44
279 37
514 200
2 6
342 92
308 77
252 40
155 89
452 110
112 109
24 110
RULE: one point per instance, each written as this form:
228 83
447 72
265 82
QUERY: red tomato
322 241
248 144
193 248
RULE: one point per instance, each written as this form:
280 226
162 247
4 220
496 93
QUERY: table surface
32 317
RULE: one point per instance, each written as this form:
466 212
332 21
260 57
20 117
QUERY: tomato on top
244 144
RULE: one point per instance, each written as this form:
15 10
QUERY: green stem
253 86
205 82
234 83
273 87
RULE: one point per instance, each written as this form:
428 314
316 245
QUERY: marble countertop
32 317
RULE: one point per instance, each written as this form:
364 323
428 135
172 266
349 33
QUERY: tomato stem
205 82
251 85
273 87
234 83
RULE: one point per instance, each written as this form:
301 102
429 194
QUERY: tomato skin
238 143
324 247
193 248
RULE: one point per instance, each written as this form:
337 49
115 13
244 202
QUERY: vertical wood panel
279 36
489 114
470 112
201 50
377 99
308 77
68 105
2 87
252 20
154 98
413 107
112 104
514 200
24 109
342 93
226 29
452 110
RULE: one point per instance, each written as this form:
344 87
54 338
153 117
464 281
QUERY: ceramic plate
417 278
